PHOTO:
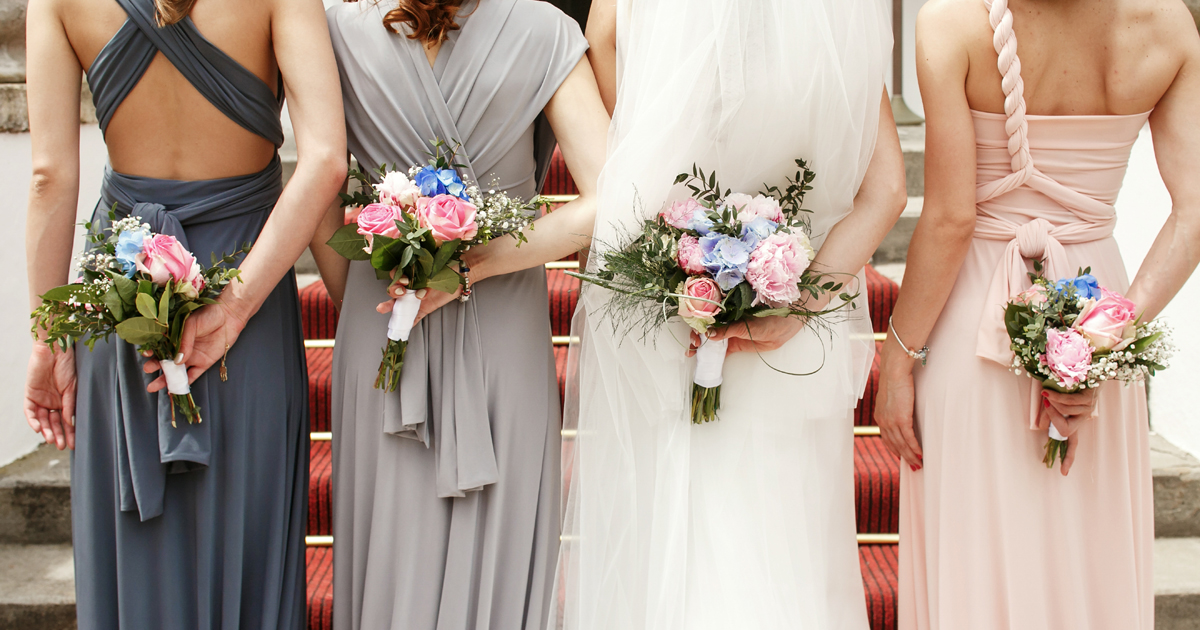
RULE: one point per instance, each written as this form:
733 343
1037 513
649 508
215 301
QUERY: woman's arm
53 79
850 244
602 51
305 56
580 123
332 265
1176 250
945 229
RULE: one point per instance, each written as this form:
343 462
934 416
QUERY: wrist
893 360
476 261
236 304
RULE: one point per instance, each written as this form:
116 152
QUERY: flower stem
389 368
1055 450
705 403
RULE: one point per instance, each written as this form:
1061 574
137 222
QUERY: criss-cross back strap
228 85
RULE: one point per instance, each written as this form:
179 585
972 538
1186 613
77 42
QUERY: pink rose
166 260
760 206
739 201
699 313
448 217
690 257
679 213
397 189
1109 323
378 219
1032 296
775 268
1068 355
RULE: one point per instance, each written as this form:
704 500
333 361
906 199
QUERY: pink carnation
775 269
1109 323
690 256
1068 355
448 217
679 213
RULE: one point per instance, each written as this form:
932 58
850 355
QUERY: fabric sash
442 399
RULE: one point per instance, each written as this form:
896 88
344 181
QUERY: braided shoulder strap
1005 42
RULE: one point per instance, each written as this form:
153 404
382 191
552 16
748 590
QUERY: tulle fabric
749 521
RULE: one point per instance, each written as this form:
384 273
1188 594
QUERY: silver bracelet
919 356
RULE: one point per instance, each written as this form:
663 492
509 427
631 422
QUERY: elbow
950 226
896 199
327 168
48 180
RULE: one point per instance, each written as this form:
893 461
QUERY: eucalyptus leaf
141 330
112 301
447 281
349 243
146 306
164 305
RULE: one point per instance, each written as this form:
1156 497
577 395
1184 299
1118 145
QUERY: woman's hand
759 334
50 394
894 405
207 336
1067 412
431 299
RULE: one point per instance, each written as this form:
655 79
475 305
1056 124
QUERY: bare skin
165 129
1078 57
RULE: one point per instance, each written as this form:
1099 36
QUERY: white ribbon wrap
1055 435
404 314
710 358
177 377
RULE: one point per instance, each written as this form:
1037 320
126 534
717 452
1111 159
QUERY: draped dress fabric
989 537
748 521
195 526
446 491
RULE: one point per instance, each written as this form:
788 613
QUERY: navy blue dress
197 526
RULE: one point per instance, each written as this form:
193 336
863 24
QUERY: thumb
739 330
187 341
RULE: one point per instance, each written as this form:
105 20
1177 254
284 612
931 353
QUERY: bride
747 522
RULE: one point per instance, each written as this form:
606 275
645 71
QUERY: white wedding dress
746 522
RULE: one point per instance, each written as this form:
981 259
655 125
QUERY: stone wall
1194 5
14 107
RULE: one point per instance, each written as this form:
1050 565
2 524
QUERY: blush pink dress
989 537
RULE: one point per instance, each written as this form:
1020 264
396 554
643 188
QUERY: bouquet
717 258
143 287
416 224
1074 334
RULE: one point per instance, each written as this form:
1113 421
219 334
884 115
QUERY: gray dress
199 526
446 492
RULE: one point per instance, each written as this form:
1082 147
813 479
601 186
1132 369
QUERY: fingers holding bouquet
413 228
1073 335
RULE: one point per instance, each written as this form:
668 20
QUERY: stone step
35 499
1176 492
37 587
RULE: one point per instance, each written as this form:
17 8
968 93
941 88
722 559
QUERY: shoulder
542 18
1165 23
949 30
345 16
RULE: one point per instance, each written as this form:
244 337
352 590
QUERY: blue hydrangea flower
433 182
700 223
725 258
129 245
757 230
1086 286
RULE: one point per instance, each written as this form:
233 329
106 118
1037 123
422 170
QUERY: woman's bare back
164 128
1078 57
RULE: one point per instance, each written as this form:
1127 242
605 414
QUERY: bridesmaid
446 492
1025 157
200 526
